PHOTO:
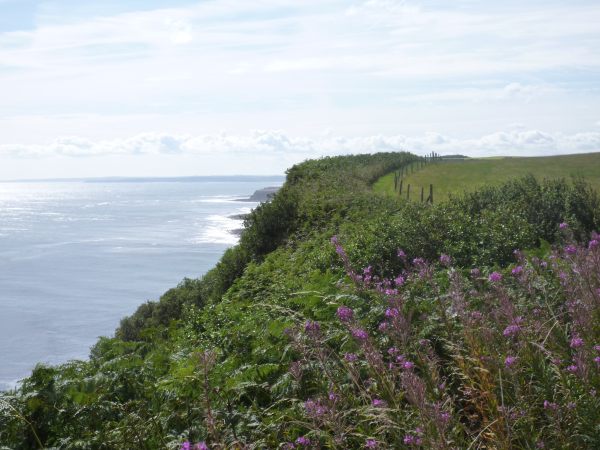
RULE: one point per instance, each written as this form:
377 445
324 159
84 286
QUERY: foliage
253 354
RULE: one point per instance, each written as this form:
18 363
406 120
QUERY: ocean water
76 257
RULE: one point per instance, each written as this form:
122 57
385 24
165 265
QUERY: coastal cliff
348 319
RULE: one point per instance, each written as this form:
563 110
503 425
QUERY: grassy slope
455 177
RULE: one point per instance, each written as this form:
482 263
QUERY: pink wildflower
495 277
511 330
350 357
576 342
570 249
345 314
392 312
509 361
360 334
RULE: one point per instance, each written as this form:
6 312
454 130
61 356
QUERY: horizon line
145 179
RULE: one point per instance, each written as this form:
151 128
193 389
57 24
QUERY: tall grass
437 357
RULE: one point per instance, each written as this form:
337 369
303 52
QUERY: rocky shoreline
261 195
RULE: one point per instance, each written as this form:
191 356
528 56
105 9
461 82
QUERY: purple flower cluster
378 403
345 314
550 405
411 439
510 361
351 357
495 277
360 334
312 328
570 249
517 270
445 260
392 312
314 409
371 443
511 330
303 441
576 342
198 446
573 368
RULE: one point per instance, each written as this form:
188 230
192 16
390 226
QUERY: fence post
408 192
422 192
401 182
431 193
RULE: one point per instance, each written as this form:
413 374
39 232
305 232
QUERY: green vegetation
295 341
453 177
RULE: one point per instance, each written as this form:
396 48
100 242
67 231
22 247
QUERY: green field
457 176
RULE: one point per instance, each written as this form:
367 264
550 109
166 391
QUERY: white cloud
275 144
181 31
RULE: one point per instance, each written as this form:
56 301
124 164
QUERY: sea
77 256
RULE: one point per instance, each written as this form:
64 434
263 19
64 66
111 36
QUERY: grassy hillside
346 319
453 177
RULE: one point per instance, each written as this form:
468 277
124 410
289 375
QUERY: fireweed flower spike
509 361
445 260
392 312
378 403
517 270
511 330
408 365
345 314
312 327
495 277
576 342
409 439
570 249
563 225
550 405
360 334
304 441
350 357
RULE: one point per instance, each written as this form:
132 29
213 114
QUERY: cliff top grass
454 177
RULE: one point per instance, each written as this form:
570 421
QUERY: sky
181 87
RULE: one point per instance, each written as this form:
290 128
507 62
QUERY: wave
221 229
